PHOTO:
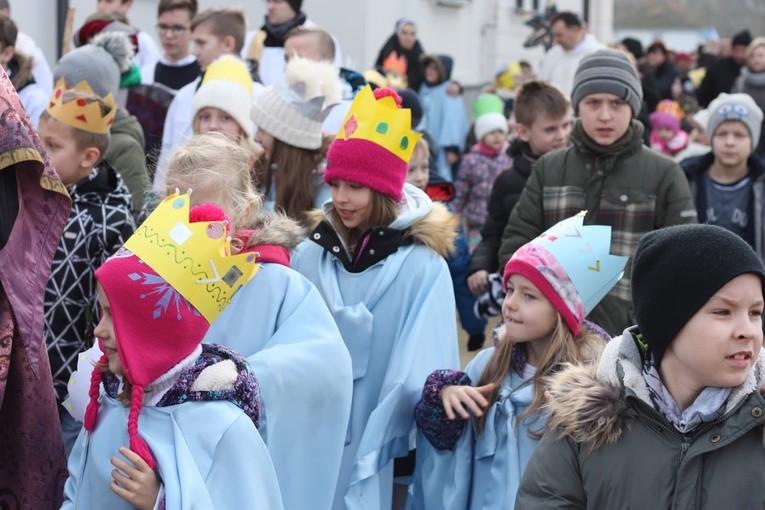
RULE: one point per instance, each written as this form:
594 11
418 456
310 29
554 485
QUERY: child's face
731 144
175 33
214 119
494 140
432 76
114 6
208 46
352 202
546 133
526 312
418 169
605 117
756 61
105 333
72 164
665 134
719 345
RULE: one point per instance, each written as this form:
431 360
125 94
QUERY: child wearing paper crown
376 256
672 416
188 411
478 428
289 117
74 130
290 339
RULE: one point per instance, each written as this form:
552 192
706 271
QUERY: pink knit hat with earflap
154 325
375 143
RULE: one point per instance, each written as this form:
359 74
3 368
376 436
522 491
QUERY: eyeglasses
171 29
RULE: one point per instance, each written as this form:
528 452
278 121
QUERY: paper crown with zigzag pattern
584 253
194 258
79 113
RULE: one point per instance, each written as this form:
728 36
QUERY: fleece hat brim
489 122
676 270
227 96
607 71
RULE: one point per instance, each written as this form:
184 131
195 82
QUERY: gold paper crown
79 113
195 258
380 121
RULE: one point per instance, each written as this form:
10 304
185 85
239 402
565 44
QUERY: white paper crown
584 253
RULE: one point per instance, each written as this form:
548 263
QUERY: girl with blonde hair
478 428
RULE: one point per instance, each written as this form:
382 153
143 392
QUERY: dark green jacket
609 449
626 185
126 155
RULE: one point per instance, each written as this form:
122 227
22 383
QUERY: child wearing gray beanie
727 181
675 400
607 171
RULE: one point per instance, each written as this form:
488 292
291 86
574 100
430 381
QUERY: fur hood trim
437 229
277 229
586 404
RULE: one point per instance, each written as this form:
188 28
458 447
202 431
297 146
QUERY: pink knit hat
543 270
374 145
155 327
665 120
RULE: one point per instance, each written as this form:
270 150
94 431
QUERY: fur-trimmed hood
587 404
276 229
425 222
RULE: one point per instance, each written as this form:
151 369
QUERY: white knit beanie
226 86
293 113
489 122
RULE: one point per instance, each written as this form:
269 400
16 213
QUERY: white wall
479 36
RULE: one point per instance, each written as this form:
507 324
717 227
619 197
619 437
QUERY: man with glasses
177 66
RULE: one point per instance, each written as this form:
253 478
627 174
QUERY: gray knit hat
607 71
294 112
739 107
100 63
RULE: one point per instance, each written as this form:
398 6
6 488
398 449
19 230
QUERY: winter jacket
126 155
720 77
34 98
504 195
393 303
695 168
609 448
202 432
474 183
625 185
99 223
753 84
459 467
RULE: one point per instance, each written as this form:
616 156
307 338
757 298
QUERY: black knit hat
607 71
743 38
296 5
676 270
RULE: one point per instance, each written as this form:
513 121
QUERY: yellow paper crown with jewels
79 113
380 121
194 258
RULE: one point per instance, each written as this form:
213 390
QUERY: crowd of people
234 271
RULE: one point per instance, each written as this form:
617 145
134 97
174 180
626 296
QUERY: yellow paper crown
231 68
380 121
195 258
79 113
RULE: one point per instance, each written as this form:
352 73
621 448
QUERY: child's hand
136 483
478 282
456 398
